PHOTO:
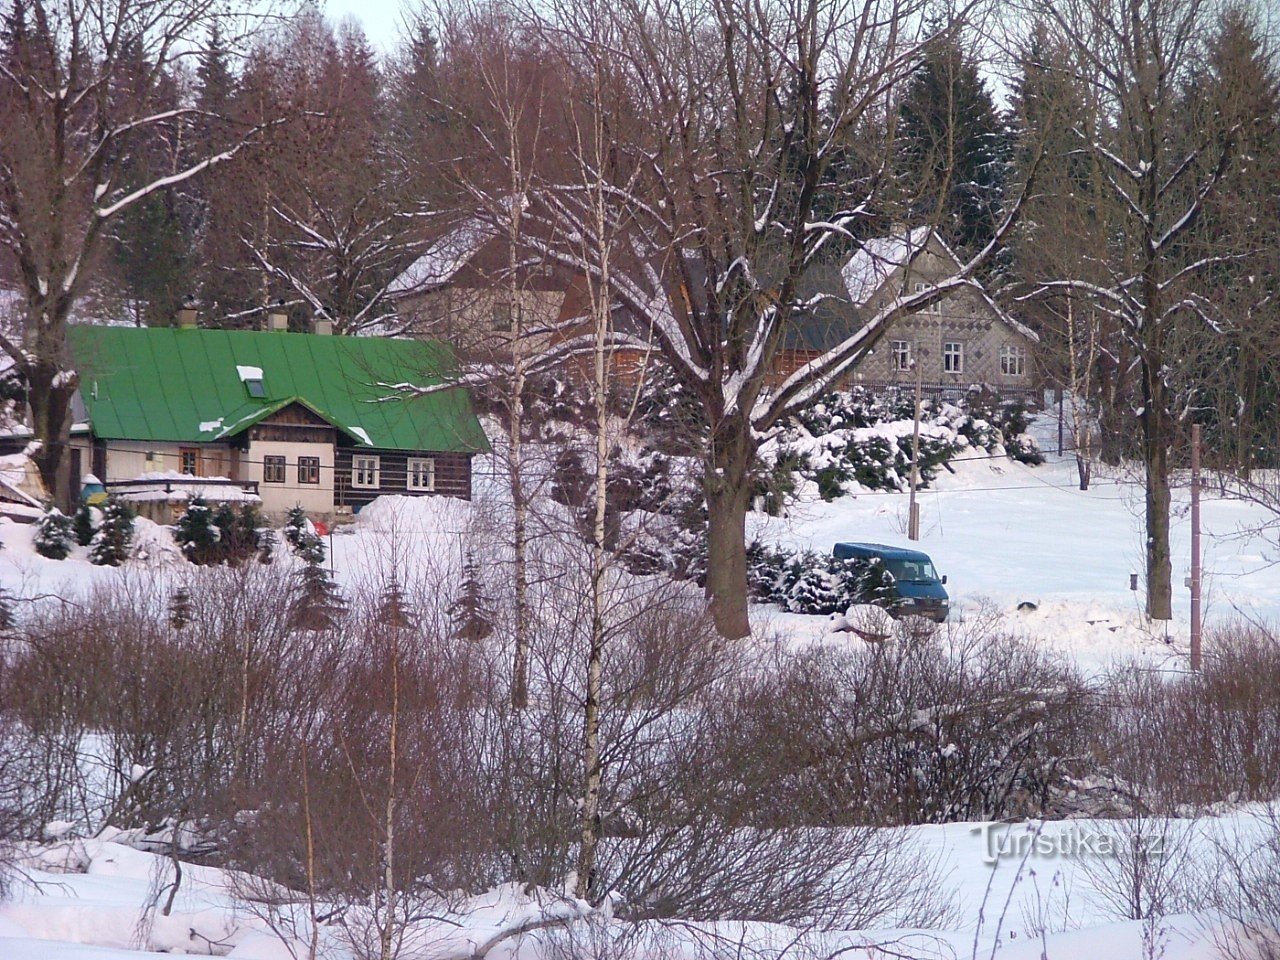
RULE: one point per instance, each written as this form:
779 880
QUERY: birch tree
498 100
70 125
717 156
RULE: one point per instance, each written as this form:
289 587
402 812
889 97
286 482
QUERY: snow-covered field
99 900
1003 532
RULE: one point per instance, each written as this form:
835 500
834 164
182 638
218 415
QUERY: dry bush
1199 739
957 726
1245 885
126 720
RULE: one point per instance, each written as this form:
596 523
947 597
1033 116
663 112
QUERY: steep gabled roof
444 258
871 267
189 385
873 264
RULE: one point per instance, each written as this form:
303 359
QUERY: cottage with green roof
296 418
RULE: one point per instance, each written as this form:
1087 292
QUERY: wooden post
1060 438
913 511
1195 546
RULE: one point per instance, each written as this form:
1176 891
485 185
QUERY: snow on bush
863 441
53 535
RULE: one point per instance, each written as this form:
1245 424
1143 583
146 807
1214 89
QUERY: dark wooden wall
453 476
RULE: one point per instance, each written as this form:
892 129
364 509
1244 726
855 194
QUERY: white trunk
599 567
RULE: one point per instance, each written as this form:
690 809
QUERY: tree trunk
51 426
1083 470
728 490
1155 450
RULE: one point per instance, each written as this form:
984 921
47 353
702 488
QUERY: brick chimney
324 328
187 318
278 322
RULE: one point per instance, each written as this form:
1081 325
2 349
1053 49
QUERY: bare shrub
1146 871
950 727
1246 888
1227 719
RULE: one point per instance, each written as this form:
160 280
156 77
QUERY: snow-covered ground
99 900
1005 533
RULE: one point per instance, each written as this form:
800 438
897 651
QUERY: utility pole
1195 546
913 512
1060 392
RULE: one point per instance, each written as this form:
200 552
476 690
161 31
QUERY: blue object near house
917 588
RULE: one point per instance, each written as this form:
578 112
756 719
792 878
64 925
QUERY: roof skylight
251 377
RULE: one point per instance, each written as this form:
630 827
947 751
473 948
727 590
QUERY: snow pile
173 486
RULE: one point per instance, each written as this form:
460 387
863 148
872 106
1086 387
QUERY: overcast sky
380 18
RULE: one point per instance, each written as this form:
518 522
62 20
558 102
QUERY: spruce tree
295 526
317 602
245 538
83 525
197 534
952 149
470 613
392 609
110 546
53 535
151 241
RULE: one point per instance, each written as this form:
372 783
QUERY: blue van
915 586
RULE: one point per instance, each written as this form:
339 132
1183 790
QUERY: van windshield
912 571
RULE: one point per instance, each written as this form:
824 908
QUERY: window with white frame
272 469
953 357
935 307
366 471
422 473
502 316
900 351
1013 360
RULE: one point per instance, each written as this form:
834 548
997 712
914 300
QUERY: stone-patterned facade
962 341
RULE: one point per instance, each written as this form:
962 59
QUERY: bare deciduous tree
80 91
730 120
1138 57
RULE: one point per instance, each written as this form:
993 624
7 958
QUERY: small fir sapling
7 618
85 524
180 608
392 608
53 535
224 518
245 536
110 546
196 532
317 602
296 526
470 613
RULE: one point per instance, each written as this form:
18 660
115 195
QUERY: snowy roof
869 268
444 258
175 487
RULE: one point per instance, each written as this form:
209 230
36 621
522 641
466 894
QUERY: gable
195 385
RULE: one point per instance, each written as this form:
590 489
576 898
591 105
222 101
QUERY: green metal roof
183 384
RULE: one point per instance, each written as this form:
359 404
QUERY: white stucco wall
279 497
